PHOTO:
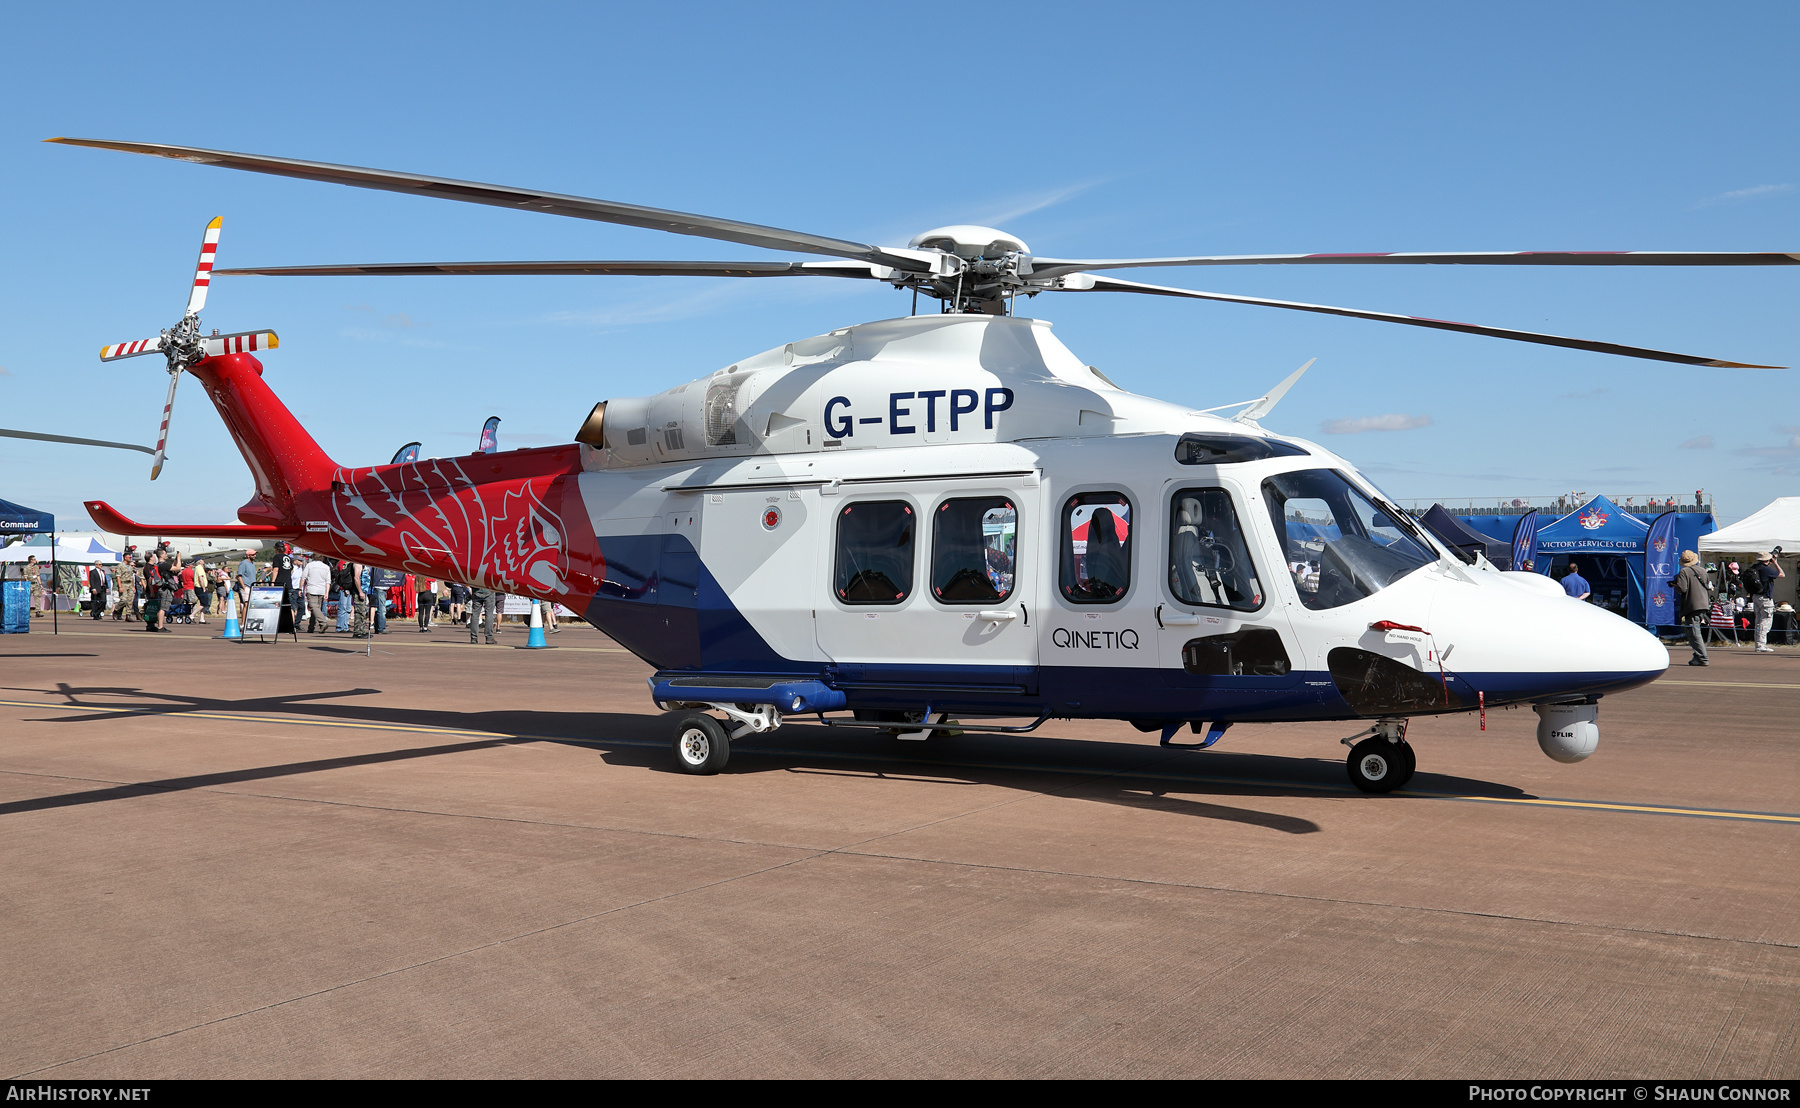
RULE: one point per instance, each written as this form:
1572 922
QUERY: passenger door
967 613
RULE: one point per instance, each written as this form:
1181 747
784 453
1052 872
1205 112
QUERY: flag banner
1659 569
407 453
1524 541
490 436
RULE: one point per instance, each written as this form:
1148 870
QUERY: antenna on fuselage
1265 404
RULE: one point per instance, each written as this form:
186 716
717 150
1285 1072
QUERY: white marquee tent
1776 525
75 549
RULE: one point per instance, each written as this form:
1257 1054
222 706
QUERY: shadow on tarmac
53 655
1160 779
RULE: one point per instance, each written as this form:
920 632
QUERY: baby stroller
180 611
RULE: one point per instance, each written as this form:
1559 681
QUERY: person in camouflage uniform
34 573
126 608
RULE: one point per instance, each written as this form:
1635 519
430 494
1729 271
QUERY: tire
1378 766
1409 763
700 744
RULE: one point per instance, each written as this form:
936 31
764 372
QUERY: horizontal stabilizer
109 520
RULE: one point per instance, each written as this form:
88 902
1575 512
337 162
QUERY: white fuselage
727 502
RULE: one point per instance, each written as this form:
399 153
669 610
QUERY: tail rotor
209 246
183 345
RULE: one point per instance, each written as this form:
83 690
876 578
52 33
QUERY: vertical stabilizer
288 466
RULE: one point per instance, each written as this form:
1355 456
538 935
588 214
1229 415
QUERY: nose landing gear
1383 761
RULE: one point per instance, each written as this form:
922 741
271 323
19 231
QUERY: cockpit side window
1209 563
1096 548
874 552
1340 545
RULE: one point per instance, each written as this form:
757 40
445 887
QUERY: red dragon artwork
513 521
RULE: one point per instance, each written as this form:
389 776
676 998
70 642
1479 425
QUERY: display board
263 615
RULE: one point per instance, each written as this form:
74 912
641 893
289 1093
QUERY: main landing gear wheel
701 745
1379 766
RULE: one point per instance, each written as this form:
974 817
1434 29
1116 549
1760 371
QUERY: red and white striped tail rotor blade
209 246
131 349
240 342
162 434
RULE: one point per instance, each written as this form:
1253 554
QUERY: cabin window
1209 563
973 546
874 552
1096 547
1340 545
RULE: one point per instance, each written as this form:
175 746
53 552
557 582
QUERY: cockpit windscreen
1340 545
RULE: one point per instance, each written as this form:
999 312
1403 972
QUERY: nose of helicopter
1522 642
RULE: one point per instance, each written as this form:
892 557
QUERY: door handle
998 616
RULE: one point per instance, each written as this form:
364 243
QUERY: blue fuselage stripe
660 602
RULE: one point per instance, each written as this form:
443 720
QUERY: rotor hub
969 242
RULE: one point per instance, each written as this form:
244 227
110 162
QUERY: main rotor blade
613 269
1055 267
70 439
503 196
1114 284
203 269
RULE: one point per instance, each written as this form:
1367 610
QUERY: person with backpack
160 578
1759 585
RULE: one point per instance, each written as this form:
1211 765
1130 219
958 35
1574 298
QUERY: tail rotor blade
162 434
131 349
240 342
209 246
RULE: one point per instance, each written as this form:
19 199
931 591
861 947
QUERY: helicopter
936 523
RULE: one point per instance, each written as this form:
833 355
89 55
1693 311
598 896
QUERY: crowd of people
159 588
1740 596
366 597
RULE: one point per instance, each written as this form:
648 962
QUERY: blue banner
407 453
386 579
15 611
1659 569
1524 542
490 436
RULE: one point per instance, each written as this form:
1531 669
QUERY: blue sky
1087 130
